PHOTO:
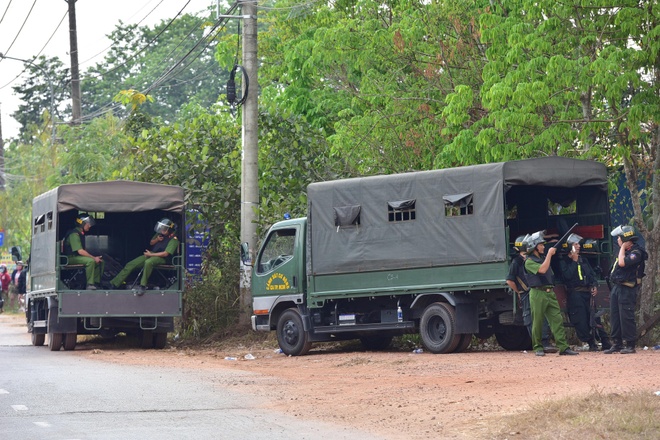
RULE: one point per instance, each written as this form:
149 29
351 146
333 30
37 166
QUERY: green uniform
543 303
73 243
147 262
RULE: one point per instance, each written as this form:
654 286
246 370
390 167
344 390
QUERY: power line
169 73
21 29
114 42
5 13
172 71
39 53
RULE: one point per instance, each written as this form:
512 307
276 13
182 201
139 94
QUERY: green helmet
626 232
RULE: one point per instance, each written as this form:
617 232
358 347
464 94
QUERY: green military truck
423 252
58 302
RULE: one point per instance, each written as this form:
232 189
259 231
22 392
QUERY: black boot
630 349
592 345
613 349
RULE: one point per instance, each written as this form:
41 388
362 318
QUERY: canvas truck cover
349 229
116 196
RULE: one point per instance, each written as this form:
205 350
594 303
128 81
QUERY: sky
40 27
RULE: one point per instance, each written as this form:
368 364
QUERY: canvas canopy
432 233
117 196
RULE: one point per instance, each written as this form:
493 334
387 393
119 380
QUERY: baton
565 236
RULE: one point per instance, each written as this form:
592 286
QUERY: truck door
278 268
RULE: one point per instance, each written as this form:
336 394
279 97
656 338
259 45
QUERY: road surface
62 395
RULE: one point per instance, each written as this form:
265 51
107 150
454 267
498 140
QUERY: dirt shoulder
399 394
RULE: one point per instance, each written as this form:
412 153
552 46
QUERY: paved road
48 395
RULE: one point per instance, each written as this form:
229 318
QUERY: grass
597 415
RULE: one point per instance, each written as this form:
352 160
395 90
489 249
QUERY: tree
374 75
27 167
171 62
575 79
35 94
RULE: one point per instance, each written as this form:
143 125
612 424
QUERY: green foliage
26 167
90 153
292 154
212 304
374 76
147 59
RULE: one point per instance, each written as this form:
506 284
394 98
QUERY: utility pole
250 166
75 76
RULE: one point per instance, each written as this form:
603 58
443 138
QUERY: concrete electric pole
75 76
250 166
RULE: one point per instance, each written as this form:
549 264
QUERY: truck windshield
277 251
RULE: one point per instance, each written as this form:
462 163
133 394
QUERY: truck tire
54 341
376 342
38 339
291 336
437 328
464 343
514 338
70 340
146 338
160 340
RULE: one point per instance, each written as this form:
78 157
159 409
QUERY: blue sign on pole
2 238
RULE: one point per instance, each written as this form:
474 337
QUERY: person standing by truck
516 281
581 286
542 299
163 244
5 280
74 249
18 287
626 277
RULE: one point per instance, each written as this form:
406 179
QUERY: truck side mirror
16 253
245 254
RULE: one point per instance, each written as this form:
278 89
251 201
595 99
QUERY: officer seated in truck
163 244
74 249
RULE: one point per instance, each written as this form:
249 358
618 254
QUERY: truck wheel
38 339
437 328
290 334
376 343
70 340
514 339
146 338
160 340
464 343
54 341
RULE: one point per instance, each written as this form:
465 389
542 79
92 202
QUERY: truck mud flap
114 303
58 324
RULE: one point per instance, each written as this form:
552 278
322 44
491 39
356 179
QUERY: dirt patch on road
398 394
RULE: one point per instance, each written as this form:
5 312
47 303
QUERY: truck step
365 327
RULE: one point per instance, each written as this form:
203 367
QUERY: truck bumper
119 304
260 323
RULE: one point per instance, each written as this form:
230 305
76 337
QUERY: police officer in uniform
581 285
516 279
74 249
626 277
163 244
542 299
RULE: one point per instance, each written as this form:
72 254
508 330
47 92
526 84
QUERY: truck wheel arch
278 309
